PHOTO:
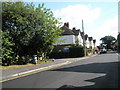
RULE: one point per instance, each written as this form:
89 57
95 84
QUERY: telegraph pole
84 39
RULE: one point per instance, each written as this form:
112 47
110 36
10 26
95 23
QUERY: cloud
109 27
75 13
91 16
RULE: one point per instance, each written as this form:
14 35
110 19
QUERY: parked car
103 51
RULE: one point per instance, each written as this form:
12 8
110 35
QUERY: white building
70 37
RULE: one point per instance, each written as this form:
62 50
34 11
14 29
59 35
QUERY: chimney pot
74 28
67 24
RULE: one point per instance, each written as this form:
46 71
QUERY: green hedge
75 51
57 55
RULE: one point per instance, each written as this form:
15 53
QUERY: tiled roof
76 32
67 31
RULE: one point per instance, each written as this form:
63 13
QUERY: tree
6 49
31 30
107 41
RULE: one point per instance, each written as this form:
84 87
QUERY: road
100 71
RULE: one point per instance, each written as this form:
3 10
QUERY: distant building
78 37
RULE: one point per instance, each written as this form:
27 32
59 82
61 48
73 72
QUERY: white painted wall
68 39
87 43
79 39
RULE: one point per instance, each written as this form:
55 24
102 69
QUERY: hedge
74 51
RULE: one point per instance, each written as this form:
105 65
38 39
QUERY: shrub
76 51
58 54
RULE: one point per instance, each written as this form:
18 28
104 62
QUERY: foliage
6 49
31 30
58 54
107 41
76 51
93 51
89 50
77 42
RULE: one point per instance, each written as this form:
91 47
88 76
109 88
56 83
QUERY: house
73 37
90 42
78 37
69 37
87 43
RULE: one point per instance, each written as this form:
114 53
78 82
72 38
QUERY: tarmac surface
23 71
100 71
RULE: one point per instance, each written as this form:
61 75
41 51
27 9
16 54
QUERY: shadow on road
110 80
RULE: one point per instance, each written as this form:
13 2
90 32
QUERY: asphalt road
100 71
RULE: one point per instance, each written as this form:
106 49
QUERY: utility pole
84 39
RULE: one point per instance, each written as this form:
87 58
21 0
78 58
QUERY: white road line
14 76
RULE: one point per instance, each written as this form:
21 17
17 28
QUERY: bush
76 51
27 30
93 51
57 54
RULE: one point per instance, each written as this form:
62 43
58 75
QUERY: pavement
100 71
24 71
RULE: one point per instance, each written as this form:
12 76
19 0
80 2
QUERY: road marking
22 74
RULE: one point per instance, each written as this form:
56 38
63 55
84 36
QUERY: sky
100 17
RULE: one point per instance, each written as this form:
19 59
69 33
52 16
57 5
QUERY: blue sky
100 16
101 19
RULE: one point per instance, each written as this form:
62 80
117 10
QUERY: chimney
74 28
67 24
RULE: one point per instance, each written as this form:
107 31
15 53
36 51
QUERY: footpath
24 71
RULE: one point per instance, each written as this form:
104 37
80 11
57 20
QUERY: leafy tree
6 49
15 21
107 41
31 30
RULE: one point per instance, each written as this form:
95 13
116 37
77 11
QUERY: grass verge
20 66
